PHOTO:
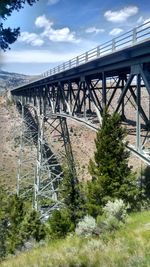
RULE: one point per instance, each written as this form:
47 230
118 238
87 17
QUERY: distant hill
9 80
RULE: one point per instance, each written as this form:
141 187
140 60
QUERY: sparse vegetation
127 247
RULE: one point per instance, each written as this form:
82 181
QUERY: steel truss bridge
115 75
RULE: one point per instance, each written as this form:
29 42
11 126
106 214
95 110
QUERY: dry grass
129 247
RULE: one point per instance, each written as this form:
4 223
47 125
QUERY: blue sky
54 31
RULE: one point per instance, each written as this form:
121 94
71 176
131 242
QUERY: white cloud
43 22
94 30
55 35
37 56
31 38
115 31
51 56
52 2
121 15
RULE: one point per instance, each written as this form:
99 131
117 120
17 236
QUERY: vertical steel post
84 98
123 115
138 124
70 95
40 114
104 100
21 147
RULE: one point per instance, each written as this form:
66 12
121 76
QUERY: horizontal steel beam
140 154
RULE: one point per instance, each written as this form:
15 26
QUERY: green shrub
18 224
3 235
114 215
32 227
87 226
60 224
144 183
116 209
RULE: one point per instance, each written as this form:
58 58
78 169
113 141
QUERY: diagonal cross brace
124 91
140 107
113 93
146 79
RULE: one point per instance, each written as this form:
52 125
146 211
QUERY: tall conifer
111 176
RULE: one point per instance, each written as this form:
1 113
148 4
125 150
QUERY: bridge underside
119 82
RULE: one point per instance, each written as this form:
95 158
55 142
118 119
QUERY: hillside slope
9 80
128 247
9 151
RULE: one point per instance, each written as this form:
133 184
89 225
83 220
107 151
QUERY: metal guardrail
128 39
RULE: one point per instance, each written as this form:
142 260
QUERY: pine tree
60 223
3 238
72 197
32 227
111 176
3 225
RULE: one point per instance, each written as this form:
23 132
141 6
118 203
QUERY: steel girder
84 99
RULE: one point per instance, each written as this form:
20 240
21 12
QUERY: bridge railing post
77 61
113 45
98 51
86 57
134 36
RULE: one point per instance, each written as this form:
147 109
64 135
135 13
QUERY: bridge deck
116 63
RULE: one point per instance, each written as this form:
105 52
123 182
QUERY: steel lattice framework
118 80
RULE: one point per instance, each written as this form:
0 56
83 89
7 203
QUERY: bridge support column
37 182
123 105
68 148
47 173
138 124
27 153
21 149
104 93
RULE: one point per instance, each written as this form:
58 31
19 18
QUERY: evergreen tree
32 227
111 176
18 223
72 197
3 236
7 35
3 224
15 212
145 184
60 223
